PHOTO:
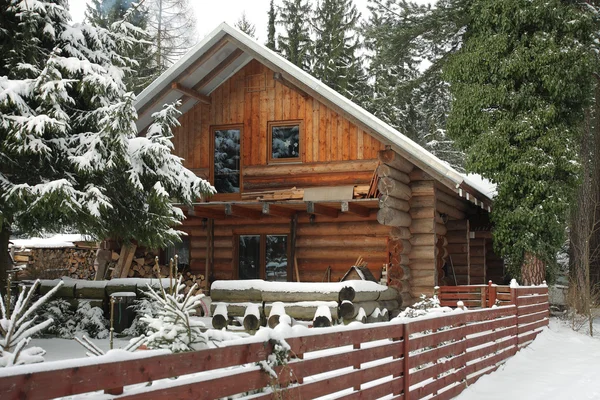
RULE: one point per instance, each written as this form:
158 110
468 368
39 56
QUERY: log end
219 321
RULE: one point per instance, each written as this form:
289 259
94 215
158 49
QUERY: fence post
492 294
406 364
514 299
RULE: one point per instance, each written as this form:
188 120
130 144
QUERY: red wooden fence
409 359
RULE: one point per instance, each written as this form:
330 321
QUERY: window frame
270 126
262 252
213 128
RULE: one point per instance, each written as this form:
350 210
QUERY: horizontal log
422 226
477 251
422 188
221 242
422 264
393 217
458 248
392 187
399 271
419 175
393 159
294 297
341 253
422 213
309 168
421 252
222 253
460 225
340 241
423 281
385 170
344 228
233 309
452 201
399 246
248 295
440 229
400 233
444 208
422 201
386 201
424 239
307 180
457 237
389 294
318 267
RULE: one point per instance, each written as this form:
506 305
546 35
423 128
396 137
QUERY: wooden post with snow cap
322 317
220 317
252 318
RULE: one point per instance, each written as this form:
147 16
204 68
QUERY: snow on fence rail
434 356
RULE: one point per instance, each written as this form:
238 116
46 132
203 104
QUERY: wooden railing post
406 365
492 294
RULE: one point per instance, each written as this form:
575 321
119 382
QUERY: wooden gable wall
252 98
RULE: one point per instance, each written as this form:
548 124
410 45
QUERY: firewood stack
48 263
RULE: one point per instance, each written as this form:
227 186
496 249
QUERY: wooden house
309 182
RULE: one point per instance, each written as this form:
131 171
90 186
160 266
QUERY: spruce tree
70 151
295 43
408 46
244 25
520 83
335 52
271 28
104 13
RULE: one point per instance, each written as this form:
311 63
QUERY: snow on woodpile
51 242
297 287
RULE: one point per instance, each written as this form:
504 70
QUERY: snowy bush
61 312
90 320
424 307
143 307
17 328
173 328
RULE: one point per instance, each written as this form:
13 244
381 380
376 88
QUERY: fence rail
410 359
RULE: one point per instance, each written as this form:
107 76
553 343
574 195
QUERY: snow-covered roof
229 46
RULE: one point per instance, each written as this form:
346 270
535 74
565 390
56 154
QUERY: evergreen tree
408 46
520 83
271 28
295 43
70 151
335 60
104 13
172 26
244 25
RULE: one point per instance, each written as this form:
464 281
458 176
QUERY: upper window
284 141
226 159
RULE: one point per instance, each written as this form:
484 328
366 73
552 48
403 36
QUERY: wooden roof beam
320 209
188 71
354 208
191 93
242 212
278 76
204 212
277 211
218 69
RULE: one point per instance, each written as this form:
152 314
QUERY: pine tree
71 157
335 56
271 28
409 45
104 13
244 25
520 83
295 43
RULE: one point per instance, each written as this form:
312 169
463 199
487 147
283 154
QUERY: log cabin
308 182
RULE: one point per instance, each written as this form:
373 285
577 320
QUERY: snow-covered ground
559 364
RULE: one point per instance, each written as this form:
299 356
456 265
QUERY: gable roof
226 50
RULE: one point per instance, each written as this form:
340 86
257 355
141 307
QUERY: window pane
249 257
182 250
285 141
276 258
227 161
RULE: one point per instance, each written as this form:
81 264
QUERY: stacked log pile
49 263
144 264
394 211
342 302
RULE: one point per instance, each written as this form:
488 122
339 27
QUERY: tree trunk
5 263
533 271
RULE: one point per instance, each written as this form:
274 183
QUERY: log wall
320 243
458 251
477 253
